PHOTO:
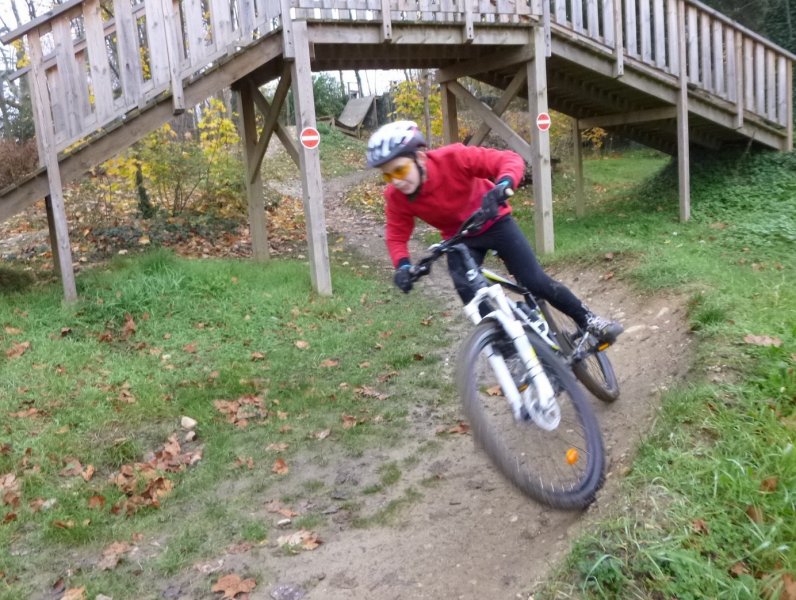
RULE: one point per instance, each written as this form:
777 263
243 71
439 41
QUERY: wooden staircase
667 73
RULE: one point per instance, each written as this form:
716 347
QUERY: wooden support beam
625 118
512 89
683 167
493 62
310 164
450 118
281 132
540 147
254 186
271 114
577 157
56 213
512 138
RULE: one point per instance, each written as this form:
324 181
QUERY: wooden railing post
739 81
789 106
386 21
59 231
548 43
619 40
683 158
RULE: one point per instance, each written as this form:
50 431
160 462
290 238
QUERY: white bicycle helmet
392 140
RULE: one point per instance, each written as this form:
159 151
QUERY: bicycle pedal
603 346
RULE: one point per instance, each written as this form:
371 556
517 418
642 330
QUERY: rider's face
403 173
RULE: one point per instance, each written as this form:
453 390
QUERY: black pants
507 239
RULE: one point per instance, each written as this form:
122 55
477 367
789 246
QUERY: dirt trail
472 536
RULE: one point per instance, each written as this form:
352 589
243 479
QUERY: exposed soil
470 535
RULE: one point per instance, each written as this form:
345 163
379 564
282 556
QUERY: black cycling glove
402 277
495 197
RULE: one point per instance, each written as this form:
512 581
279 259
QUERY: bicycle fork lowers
533 397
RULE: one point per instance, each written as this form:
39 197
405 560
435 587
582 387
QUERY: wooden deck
106 73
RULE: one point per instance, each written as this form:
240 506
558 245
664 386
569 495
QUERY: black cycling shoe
605 330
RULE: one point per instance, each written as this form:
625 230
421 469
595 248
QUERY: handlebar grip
419 270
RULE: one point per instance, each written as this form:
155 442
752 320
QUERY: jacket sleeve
398 228
493 164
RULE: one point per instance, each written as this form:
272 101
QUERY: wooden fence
722 58
93 61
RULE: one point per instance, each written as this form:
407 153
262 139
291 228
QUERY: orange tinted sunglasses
399 172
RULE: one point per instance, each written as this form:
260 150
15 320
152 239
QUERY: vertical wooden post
619 40
577 157
450 118
540 146
683 159
254 185
309 161
48 208
789 106
739 81
56 213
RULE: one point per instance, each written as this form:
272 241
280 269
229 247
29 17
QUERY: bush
16 160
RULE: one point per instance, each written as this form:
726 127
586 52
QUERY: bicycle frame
538 399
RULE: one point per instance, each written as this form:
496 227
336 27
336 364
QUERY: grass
710 501
103 385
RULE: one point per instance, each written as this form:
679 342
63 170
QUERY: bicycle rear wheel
562 468
595 371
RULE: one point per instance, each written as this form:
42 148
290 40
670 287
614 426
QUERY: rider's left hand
495 197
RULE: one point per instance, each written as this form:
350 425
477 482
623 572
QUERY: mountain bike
514 375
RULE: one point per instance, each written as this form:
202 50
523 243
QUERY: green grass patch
263 365
710 501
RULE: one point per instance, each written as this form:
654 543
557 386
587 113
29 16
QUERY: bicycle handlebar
474 222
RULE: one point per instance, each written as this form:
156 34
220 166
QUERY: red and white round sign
543 121
310 138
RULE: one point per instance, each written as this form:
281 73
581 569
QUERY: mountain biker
443 187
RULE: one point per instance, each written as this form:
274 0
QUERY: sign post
310 138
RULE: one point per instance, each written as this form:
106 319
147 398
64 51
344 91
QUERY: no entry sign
310 138
543 121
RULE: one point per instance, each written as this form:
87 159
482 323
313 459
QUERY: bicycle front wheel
563 467
595 371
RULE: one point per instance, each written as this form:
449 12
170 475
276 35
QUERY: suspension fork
517 334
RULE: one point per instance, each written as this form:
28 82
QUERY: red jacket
457 177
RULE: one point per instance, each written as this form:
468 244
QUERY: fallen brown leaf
112 554
96 501
302 538
129 327
74 594
302 345
762 340
329 362
280 467
18 350
231 585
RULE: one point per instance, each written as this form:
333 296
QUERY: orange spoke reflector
572 456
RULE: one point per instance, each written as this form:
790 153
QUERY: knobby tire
533 459
595 371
